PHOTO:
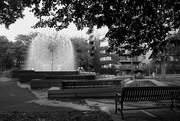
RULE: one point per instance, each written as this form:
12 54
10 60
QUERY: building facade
112 63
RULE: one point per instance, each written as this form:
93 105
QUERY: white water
51 51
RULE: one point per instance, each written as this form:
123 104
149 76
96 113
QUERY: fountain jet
51 51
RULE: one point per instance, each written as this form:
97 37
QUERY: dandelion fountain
51 51
51 64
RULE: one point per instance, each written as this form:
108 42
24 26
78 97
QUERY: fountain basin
83 93
29 75
86 89
142 83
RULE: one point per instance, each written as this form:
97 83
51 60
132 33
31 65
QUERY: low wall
86 89
74 84
28 75
57 72
90 84
84 93
45 83
71 77
19 73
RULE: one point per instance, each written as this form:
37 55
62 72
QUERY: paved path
13 97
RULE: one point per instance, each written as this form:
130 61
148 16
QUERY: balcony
128 59
128 67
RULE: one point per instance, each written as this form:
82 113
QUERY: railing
134 59
126 67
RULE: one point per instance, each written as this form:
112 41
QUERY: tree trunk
163 70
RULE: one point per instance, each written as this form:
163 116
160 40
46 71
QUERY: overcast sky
23 26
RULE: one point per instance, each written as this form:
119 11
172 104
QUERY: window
91 42
125 58
104 44
126 64
107 58
144 57
144 65
106 66
171 58
102 51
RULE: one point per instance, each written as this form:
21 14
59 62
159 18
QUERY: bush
7 73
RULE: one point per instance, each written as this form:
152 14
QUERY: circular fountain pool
142 83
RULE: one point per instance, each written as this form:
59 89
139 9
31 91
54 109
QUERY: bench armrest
118 95
117 100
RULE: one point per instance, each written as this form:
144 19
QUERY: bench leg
172 104
122 110
115 106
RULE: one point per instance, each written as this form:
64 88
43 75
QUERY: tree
6 54
81 47
26 39
139 25
21 46
173 56
14 53
150 68
11 10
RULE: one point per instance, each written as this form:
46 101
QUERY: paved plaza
15 97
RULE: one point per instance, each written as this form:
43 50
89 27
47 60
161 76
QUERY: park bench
132 94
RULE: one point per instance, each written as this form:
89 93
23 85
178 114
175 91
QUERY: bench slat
148 93
131 94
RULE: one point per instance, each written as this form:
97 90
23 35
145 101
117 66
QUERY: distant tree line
14 54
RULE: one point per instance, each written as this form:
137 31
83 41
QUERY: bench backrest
149 93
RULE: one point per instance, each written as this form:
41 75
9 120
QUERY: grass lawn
73 115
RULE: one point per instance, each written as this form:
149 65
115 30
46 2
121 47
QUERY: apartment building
112 63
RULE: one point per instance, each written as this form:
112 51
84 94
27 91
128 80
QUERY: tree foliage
81 47
13 54
11 10
140 25
173 55
6 53
26 39
21 46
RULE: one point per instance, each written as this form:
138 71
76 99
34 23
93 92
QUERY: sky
24 26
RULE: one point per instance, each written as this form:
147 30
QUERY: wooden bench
132 94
